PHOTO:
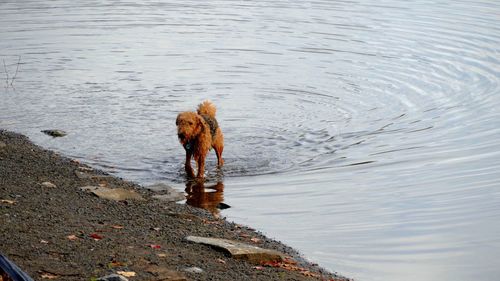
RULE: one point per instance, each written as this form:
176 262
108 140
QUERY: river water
366 134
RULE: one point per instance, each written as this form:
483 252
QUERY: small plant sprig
9 82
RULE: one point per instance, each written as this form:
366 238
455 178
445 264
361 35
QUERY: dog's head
189 125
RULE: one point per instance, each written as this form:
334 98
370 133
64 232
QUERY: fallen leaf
256 240
72 237
154 246
258 267
221 261
44 241
96 236
115 264
117 226
162 255
8 201
156 228
126 273
47 275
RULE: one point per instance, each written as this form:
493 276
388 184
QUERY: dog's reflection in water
208 197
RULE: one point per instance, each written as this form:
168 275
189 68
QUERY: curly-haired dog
198 132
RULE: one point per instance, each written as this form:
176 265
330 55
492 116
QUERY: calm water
366 134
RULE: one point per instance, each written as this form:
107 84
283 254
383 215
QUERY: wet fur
194 135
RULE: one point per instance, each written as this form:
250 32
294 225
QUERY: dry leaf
258 267
221 261
47 275
44 241
96 236
163 255
126 273
8 201
256 240
154 246
115 264
117 226
72 237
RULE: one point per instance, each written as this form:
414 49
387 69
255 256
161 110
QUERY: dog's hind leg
218 150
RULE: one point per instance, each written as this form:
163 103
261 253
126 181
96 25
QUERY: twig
15 74
6 73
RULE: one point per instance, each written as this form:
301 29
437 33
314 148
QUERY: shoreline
56 225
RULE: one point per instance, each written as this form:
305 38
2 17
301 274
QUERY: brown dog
198 132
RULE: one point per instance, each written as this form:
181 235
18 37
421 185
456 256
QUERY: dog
198 132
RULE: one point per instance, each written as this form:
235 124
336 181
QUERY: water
366 134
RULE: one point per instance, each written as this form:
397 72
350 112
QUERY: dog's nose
181 136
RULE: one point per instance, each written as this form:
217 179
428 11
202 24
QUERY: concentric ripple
364 133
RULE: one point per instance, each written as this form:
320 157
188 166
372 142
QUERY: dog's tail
207 108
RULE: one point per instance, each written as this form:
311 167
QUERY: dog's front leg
201 166
187 165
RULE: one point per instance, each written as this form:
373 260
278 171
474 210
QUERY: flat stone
48 184
113 277
157 187
240 250
54 133
171 197
2 144
167 193
116 194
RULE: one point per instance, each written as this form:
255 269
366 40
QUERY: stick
6 73
17 68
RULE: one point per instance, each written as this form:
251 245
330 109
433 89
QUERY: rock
240 250
172 197
168 193
83 175
193 269
116 194
48 184
54 133
223 206
157 187
2 145
112 277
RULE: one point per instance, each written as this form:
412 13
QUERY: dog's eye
190 123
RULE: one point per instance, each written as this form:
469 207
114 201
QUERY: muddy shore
61 232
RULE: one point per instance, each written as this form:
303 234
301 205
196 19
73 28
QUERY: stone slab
240 250
116 194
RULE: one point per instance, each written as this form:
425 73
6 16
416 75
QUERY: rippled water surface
366 134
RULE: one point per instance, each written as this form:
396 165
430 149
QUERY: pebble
54 133
113 277
48 184
193 269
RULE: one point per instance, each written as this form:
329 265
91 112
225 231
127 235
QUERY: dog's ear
199 123
178 119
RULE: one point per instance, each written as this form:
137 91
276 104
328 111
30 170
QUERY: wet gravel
64 233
